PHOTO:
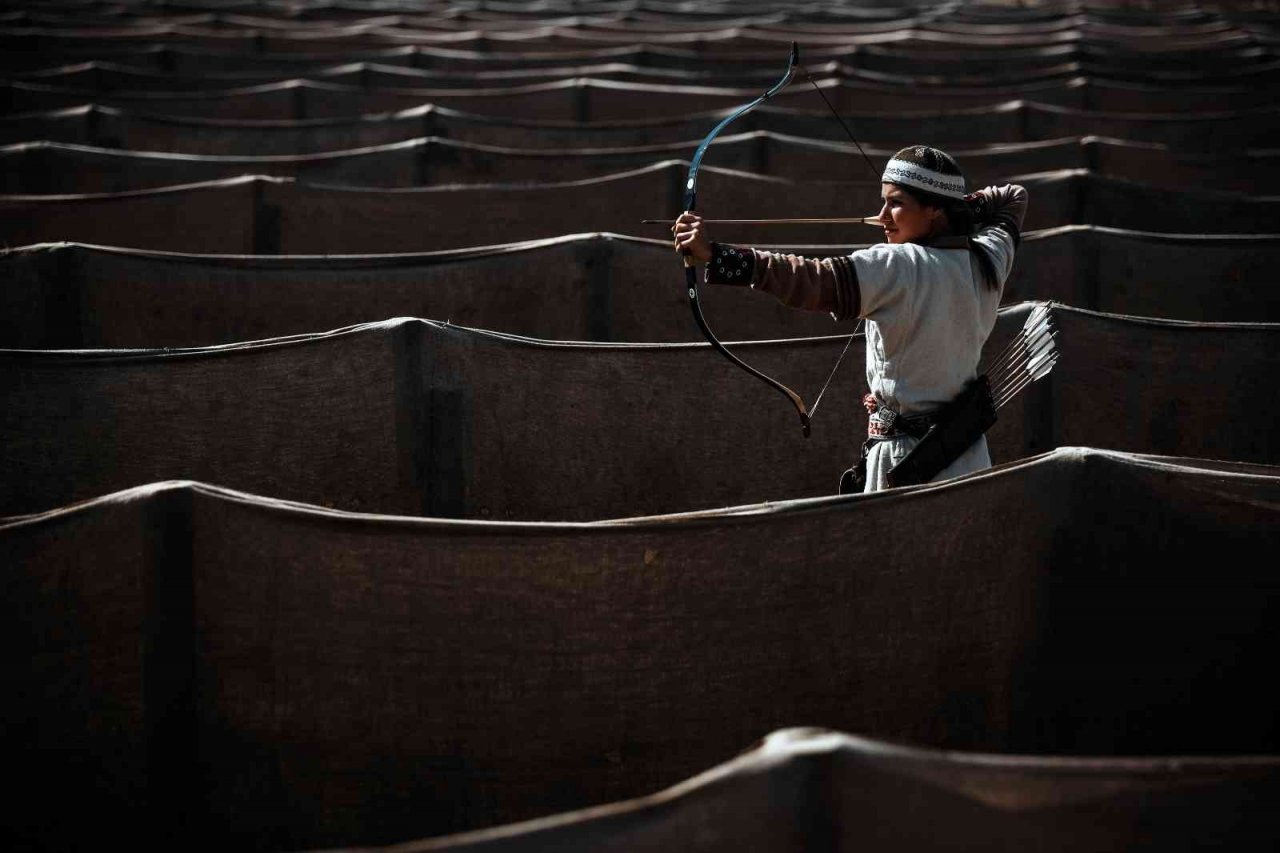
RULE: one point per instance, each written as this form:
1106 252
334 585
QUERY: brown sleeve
1006 206
811 284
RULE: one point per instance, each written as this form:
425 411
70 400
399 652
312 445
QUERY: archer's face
904 219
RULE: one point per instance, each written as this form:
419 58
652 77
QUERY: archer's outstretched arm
812 284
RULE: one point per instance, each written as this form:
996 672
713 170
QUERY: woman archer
929 295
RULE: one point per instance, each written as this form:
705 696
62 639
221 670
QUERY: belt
886 423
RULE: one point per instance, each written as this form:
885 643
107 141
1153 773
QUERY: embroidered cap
925 168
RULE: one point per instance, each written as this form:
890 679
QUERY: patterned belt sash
886 423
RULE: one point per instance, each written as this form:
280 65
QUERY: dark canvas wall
362 479
421 417
600 287
305 678
259 215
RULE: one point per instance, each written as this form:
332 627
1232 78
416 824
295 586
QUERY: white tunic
928 313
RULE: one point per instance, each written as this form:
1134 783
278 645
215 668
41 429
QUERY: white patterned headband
921 177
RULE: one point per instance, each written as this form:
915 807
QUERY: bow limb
691 279
690 273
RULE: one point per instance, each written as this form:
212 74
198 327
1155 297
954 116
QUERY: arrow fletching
1029 358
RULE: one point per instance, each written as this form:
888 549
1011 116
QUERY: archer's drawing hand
691 237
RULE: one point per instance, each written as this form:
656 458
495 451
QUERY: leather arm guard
960 423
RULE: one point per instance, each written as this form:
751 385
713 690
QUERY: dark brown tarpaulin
113 128
587 96
188 60
191 663
732 35
806 789
1066 83
61 167
1117 48
597 287
421 417
254 215
1196 134
580 100
603 102
1067 652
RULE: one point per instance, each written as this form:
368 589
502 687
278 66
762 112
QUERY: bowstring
847 131
813 410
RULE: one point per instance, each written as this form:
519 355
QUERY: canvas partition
733 40
217 216
1205 277
557 101
1255 170
284 216
1120 47
1209 277
1000 123
1146 375
1120 203
308 136
1120 380
846 87
587 287
985 125
1257 72
356 220
676 58
105 77
355 680
55 39
800 788
379 76
72 125
97 714
353 220
57 168
598 287
316 419
1180 56
313 218
13 60
945 60
69 297
894 58
851 87
424 417
760 152
331 40
110 127
141 130
508 58
185 59
1119 96
616 101
272 101
1205 131
578 100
